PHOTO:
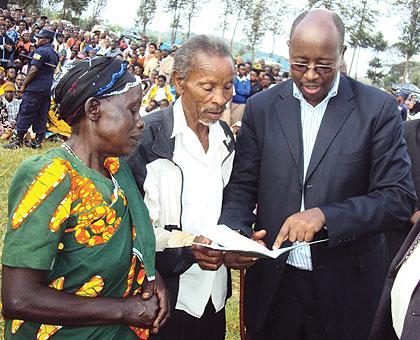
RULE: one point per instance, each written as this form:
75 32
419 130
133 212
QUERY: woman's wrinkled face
120 126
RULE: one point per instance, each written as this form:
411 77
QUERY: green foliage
145 14
33 6
395 74
359 19
71 8
378 43
175 7
409 43
332 5
255 24
375 72
192 8
94 18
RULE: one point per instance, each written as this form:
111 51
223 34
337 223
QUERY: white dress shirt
201 208
406 281
311 118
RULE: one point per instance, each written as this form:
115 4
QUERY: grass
10 160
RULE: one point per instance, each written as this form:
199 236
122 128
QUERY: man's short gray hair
208 45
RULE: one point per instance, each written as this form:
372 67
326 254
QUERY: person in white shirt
182 165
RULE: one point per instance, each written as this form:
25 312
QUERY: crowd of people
149 61
110 235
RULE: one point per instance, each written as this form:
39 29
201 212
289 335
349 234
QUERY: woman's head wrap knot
98 77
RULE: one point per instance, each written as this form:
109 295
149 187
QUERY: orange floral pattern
82 200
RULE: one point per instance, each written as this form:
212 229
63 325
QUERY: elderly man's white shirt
201 206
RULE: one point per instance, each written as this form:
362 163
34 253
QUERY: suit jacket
412 137
382 328
358 175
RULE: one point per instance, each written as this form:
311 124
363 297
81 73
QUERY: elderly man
323 156
182 165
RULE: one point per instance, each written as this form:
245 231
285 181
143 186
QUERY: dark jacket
157 144
382 328
359 176
412 137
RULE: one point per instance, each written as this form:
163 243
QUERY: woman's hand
157 288
140 312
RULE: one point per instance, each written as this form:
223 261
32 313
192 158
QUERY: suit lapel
338 109
288 112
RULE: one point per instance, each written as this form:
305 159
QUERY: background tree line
260 18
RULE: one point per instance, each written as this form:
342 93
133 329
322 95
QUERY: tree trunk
174 24
177 24
357 63
358 30
144 28
404 79
352 58
234 30
224 27
272 47
189 26
253 52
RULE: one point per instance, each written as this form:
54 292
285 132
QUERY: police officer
36 92
401 98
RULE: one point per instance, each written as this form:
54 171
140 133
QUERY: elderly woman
79 252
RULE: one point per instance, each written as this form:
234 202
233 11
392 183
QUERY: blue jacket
242 90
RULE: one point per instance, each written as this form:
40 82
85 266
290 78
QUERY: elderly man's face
314 44
207 88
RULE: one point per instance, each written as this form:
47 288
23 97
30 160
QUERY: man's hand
236 261
415 217
157 287
207 259
301 226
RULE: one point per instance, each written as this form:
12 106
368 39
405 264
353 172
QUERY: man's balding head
315 53
320 16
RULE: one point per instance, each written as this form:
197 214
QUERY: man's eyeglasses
320 69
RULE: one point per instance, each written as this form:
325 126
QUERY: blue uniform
36 98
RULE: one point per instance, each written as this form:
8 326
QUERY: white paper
227 239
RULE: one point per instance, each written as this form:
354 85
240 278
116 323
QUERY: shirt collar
243 78
180 123
331 93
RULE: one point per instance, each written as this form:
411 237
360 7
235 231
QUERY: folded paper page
227 239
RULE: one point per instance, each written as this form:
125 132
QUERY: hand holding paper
235 260
227 239
207 258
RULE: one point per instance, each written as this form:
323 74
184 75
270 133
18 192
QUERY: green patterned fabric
91 233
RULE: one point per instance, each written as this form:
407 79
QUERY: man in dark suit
384 325
412 137
322 156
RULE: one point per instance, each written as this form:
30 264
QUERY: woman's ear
93 109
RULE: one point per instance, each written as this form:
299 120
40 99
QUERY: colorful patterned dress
72 221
